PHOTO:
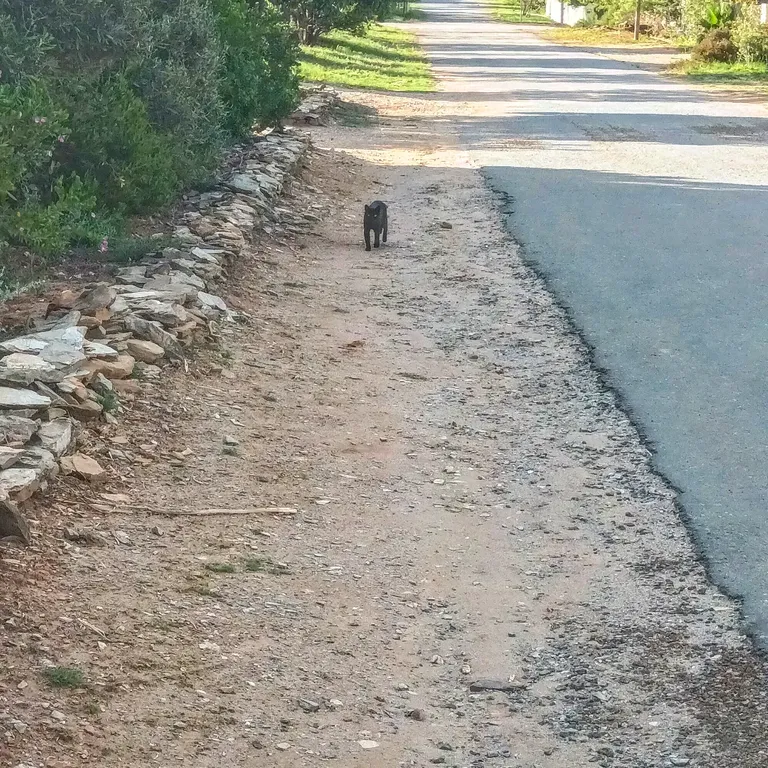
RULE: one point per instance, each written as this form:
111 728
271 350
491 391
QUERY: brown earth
470 503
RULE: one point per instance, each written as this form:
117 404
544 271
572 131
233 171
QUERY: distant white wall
764 13
562 13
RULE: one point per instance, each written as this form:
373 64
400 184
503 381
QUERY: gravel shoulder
472 510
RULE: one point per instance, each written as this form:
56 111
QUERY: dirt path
471 504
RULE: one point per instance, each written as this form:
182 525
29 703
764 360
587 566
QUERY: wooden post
637 20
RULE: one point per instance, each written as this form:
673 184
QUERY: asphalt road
644 203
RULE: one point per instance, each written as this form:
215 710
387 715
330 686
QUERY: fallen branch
221 511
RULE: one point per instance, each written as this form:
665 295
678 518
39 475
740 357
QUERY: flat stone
135 275
211 301
62 347
83 466
22 369
68 320
127 387
152 331
208 256
9 456
57 436
185 278
148 372
16 429
166 313
19 482
85 411
246 183
89 322
112 369
145 351
99 297
45 391
102 351
40 459
167 290
119 307
22 398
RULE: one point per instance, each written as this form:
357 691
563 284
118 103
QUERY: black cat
375 219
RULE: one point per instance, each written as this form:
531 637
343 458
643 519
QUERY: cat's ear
367 208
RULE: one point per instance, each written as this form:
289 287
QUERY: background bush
112 107
750 36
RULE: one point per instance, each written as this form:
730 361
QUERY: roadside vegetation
384 58
607 37
110 109
519 11
728 41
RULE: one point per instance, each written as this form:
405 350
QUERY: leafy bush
750 36
716 45
259 81
112 107
114 142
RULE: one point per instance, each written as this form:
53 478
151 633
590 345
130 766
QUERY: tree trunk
637 20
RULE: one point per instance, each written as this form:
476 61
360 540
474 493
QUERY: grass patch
266 565
605 36
220 567
109 401
511 10
64 677
384 59
722 73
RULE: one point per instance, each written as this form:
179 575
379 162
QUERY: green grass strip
384 59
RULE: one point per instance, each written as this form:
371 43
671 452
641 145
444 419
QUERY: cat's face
372 214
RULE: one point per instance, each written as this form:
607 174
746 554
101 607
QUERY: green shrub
259 80
113 107
750 36
716 45
113 141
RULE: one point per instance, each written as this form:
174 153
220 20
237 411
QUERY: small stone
157 530
676 760
402 687
22 369
58 715
9 456
83 466
282 746
16 429
94 349
19 726
85 411
334 704
416 714
209 301
100 297
308 705
145 351
368 744
121 537
56 436
19 482
121 368
230 440
446 225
